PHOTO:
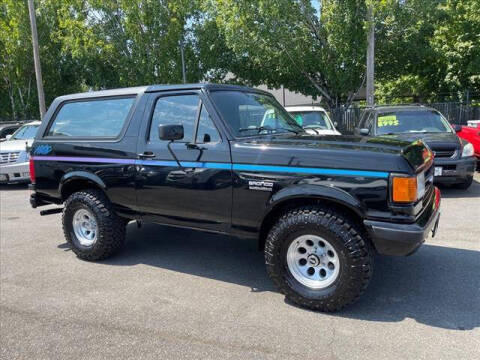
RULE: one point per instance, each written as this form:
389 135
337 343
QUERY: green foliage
94 44
425 50
284 42
61 73
428 49
457 40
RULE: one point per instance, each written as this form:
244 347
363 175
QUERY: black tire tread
112 228
465 185
354 240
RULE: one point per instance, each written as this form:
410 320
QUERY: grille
444 152
429 188
9 157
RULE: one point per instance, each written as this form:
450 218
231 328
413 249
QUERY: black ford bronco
198 156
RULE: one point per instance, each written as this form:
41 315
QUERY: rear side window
92 118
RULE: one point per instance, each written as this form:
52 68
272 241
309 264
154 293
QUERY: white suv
314 119
14 158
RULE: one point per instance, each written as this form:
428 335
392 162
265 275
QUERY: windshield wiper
256 128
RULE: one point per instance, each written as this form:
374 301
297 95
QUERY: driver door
198 193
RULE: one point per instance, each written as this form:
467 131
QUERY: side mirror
170 132
8 137
206 138
335 124
364 131
457 127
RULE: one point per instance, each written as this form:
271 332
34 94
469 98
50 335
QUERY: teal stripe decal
316 171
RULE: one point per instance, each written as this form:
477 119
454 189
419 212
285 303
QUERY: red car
472 135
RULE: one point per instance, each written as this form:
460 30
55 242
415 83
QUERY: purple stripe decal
85 159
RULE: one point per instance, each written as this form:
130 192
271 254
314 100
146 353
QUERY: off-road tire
352 245
111 227
466 184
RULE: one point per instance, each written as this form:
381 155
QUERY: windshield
249 113
312 119
25 132
411 122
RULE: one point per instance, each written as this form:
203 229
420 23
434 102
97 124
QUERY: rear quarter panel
58 161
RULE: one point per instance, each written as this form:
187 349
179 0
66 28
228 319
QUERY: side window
207 132
91 118
175 110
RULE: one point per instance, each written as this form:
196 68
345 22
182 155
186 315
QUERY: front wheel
318 258
465 184
91 226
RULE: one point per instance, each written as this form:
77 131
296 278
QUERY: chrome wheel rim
313 261
85 227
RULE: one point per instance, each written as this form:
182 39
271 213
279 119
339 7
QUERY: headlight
467 150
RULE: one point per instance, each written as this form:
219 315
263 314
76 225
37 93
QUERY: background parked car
8 128
454 160
14 158
314 119
474 123
471 134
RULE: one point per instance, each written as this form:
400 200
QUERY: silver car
14 158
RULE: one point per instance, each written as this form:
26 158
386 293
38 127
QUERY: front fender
319 192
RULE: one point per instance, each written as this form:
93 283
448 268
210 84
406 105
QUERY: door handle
147 154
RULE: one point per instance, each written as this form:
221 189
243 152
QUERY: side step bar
51 211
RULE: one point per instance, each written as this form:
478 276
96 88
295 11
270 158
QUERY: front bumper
455 170
404 239
16 172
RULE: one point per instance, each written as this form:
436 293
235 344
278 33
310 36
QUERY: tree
457 40
61 73
428 51
93 44
16 65
285 42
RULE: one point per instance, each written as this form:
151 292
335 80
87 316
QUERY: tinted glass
7 131
94 118
206 128
249 114
411 122
25 132
175 110
312 119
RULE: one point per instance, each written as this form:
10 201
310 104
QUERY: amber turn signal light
404 189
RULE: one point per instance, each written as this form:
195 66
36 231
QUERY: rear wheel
318 258
91 226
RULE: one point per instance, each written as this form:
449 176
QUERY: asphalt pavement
179 294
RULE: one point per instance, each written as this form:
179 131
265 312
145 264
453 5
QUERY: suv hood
340 151
15 145
441 139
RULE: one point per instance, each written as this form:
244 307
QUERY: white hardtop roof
36 122
305 108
